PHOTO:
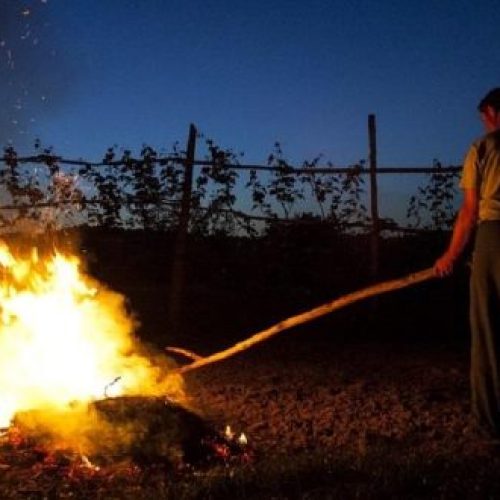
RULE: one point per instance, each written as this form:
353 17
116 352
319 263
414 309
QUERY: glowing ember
64 338
228 432
242 440
88 464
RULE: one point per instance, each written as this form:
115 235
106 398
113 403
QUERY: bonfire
76 382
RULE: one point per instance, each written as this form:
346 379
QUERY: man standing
481 208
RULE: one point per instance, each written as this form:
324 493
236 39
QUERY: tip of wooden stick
183 352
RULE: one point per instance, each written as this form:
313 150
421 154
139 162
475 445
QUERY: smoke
33 73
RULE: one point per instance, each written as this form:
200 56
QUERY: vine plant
433 206
146 192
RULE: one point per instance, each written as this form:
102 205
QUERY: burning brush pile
77 388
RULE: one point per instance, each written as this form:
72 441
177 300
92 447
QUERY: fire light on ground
66 340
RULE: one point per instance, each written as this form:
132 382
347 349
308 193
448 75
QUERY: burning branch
299 319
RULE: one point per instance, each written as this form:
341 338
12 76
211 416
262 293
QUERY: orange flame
65 338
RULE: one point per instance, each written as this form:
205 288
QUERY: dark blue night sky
83 75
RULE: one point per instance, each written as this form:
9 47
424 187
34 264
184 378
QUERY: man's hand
444 265
466 220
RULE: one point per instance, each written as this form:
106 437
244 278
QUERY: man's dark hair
492 98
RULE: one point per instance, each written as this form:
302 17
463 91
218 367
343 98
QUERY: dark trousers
485 327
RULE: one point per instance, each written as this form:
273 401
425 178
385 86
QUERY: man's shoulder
486 143
491 138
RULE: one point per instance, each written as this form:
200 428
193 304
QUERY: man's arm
466 220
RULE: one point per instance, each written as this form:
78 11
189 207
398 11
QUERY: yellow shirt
481 171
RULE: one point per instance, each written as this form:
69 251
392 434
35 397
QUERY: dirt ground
291 396
400 412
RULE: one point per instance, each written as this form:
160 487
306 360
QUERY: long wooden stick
304 317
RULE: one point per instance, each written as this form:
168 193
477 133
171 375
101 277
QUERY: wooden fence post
372 134
179 258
